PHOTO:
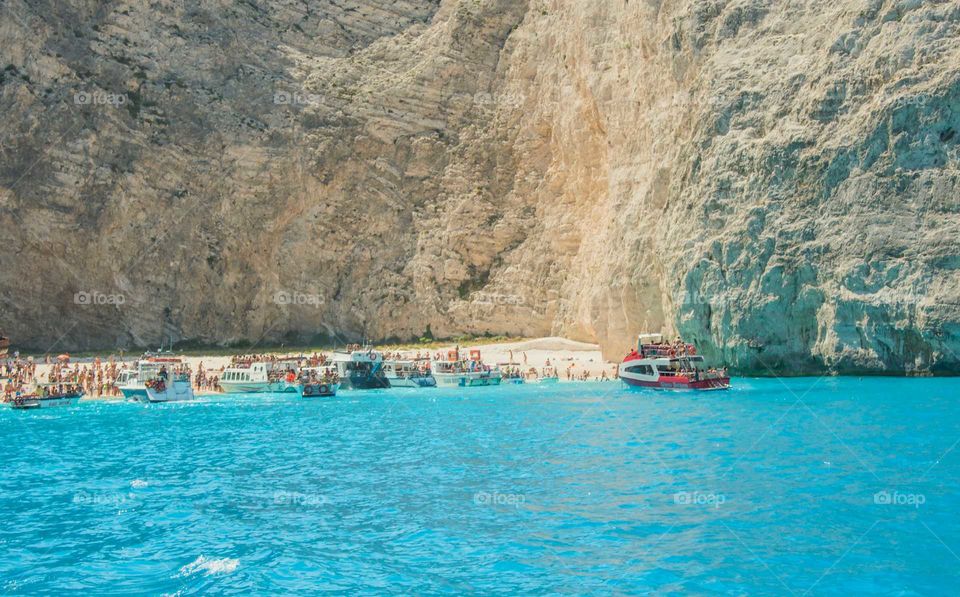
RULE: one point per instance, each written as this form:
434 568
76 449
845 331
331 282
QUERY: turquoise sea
801 486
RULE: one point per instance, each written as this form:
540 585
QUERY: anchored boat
317 382
159 378
450 370
659 365
47 396
256 376
360 368
125 377
406 374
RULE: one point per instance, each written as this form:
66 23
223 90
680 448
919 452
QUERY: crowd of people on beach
573 375
20 375
207 381
98 377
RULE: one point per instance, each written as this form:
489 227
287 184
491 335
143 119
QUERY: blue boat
360 368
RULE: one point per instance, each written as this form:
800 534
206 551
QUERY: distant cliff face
775 181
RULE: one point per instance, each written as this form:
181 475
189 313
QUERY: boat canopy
649 339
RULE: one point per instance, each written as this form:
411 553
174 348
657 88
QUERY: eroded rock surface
776 181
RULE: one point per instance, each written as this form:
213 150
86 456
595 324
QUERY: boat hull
179 391
680 383
426 381
318 390
466 380
134 394
31 403
169 395
364 382
256 387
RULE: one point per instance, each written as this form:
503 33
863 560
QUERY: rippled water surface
830 486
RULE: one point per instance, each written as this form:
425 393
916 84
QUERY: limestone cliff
777 181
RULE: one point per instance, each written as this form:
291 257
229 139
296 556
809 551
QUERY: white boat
452 371
158 379
125 377
129 386
257 376
360 368
406 374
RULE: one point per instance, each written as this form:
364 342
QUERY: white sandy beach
563 354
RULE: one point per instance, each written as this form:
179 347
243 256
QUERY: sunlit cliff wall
776 181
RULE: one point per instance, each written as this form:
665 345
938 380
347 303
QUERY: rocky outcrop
775 181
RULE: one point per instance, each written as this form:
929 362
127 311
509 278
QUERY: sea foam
209 567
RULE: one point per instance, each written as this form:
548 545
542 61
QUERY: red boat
663 366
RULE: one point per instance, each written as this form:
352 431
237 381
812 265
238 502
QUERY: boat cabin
151 368
400 369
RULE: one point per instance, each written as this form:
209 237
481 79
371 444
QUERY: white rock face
776 181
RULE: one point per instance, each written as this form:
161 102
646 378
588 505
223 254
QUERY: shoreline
580 358
573 361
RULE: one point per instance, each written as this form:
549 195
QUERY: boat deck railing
698 373
668 350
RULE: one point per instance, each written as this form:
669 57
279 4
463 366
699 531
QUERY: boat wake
210 567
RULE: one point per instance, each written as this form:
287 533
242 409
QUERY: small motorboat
317 382
160 377
510 373
45 399
318 390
